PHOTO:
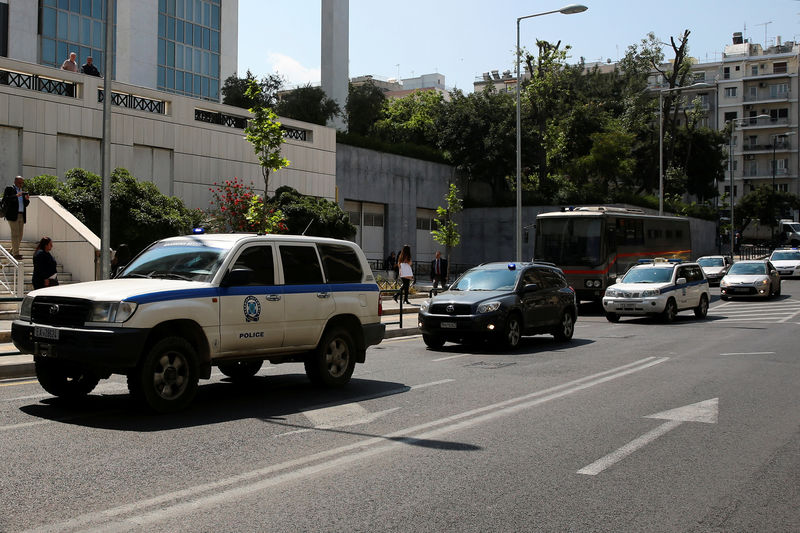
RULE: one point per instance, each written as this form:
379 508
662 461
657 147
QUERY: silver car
755 278
714 267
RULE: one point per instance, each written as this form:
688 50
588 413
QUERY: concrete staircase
9 310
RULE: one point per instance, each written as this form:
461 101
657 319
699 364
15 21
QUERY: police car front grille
457 309
56 311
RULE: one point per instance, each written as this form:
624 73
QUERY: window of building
779 90
779 67
726 73
778 114
424 223
189 29
753 92
730 115
73 26
4 30
783 187
730 92
754 70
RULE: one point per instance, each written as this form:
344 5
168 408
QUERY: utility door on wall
369 221
426 246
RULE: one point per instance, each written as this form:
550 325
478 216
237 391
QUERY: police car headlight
25 309
650 293
612 293
488 307
425 305
116 312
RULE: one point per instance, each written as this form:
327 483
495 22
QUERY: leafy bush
140 214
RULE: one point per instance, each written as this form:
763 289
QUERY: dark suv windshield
487 280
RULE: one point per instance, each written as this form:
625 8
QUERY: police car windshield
785 256
745 269
487 280
648 275
189 260
710 262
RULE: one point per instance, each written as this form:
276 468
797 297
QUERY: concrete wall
23 41
51 134
137 40
401 184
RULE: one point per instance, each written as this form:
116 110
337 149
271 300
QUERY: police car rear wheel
702 309
241 369
332 364
64 379
168 375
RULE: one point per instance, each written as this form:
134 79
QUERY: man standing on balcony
15 201
89 68
70 64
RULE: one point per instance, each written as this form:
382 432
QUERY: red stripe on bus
632 254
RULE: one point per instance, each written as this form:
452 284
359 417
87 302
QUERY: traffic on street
636 425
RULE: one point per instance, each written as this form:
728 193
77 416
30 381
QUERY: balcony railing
761 96
754 147
131 101
238 122
37 83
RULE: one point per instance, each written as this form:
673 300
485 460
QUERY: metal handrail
17 286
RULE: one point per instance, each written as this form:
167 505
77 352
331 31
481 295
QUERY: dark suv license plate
448 325
45 333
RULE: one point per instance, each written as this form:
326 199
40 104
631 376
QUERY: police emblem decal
252 309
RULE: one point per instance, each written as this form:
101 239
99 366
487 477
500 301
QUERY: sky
462 39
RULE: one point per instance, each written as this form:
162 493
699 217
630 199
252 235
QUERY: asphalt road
635 426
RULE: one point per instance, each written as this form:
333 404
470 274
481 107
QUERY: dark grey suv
501 302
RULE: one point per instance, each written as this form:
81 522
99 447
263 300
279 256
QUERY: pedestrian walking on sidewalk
406 273
45 271
15 205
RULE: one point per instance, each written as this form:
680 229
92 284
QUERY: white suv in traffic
186 304
658 287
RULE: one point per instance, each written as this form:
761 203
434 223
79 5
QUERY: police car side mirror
530 287
680 281
237 277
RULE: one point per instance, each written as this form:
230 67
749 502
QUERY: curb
393 333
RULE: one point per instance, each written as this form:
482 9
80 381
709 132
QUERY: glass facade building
72 26
189 47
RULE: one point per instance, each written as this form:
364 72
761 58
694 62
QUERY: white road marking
705 412
234 488
748 353
452 357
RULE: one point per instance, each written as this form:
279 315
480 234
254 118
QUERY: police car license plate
45 333
448 325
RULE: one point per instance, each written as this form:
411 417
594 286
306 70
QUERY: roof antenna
309 225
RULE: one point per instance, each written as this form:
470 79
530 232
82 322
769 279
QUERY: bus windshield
569 241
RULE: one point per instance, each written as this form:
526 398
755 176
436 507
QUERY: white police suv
186 304
658 287
786 261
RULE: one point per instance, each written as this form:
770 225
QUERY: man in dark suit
439 271
15 201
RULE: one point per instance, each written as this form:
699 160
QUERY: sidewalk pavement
16 365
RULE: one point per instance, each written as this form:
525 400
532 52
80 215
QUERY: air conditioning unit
749 157
762 84
748 107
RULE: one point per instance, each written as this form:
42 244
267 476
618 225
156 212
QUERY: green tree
309 104
364 107
234 90
265 134
477 135
411 119
764 205
446 232
311 216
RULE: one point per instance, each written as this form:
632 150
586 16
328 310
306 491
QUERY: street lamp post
566 10
699 85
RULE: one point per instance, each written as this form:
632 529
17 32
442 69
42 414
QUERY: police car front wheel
168 375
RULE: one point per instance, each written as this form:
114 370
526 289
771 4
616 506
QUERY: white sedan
786 261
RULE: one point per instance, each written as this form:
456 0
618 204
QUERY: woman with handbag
406 273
